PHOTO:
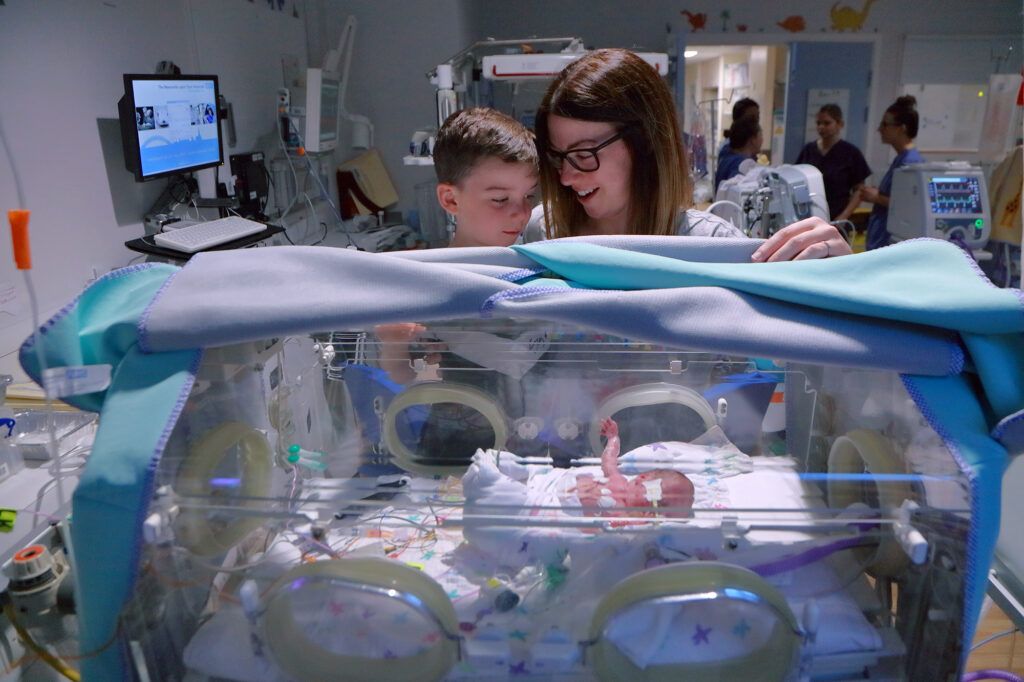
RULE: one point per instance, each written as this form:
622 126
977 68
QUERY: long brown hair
616 86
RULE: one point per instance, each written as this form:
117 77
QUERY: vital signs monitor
940 200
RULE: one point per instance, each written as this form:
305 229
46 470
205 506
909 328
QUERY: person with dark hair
745 140
898 130
745 108
486 165
615 163
843 168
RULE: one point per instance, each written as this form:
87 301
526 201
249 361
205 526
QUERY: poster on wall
818 97
1000 120
950 115
736 75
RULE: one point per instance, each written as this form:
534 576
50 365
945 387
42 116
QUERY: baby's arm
394 349
610 457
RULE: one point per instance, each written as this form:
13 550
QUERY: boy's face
492 204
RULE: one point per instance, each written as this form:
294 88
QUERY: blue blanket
920 308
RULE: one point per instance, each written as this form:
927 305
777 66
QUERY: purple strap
795 561
991 675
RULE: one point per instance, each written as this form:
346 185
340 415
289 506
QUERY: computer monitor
169 124
313 111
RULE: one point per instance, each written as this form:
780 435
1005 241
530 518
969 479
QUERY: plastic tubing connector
19 237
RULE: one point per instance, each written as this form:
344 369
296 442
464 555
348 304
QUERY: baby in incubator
500 478
656 488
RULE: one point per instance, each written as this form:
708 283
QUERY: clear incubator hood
499 499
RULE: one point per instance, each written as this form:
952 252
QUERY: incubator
338 507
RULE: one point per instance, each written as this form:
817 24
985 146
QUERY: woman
898 130
745 140
842 166
607 127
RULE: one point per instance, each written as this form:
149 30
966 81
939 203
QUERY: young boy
486 164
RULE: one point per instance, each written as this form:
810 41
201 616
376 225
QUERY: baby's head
675 489
487 173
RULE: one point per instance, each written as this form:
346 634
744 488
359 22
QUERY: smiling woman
614 163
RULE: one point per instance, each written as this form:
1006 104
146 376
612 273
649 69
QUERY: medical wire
51 427
992 638
51 660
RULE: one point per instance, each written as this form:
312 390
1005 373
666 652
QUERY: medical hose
48 658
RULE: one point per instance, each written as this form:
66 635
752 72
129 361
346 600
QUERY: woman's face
828 127
888 129
604 193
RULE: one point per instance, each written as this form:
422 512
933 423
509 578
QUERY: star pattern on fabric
741 629
336 608
524 546
658 446
388 653
428 555
517 634
453 594
700 635
518 669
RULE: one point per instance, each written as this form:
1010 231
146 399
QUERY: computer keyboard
204 235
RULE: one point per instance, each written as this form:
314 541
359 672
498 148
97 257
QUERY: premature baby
656 488
503 479
501 485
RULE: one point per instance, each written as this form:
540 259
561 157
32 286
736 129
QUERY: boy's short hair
471 135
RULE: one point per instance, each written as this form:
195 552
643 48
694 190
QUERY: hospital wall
60 72
888 23
61 60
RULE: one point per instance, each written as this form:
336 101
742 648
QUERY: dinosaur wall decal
846 18
697 21
794 23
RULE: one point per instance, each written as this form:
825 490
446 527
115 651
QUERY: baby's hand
398 332
609 429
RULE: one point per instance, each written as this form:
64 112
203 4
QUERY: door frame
878 98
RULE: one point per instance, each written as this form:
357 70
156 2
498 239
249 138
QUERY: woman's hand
810 238
869 194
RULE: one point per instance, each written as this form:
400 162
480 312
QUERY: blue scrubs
729 165
878 234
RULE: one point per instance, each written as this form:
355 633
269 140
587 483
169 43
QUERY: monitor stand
180 191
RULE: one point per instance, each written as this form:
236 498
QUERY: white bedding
559 582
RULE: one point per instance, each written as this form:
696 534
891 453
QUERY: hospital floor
1005 653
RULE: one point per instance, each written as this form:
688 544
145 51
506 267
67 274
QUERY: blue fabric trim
487 309
982 460
522 273
958 357
143 327
112 498
890 283
1006 424
91 402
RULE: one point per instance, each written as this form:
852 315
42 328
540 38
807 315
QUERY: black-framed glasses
583 160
